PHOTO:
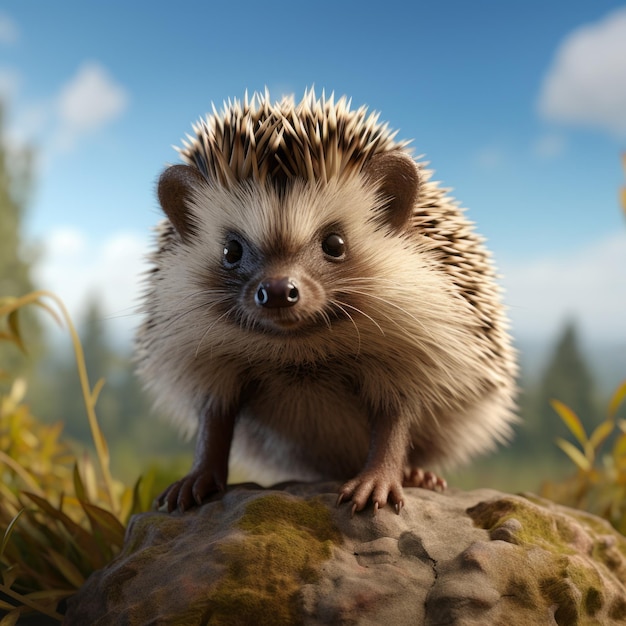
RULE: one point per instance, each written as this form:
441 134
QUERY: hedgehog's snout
275 293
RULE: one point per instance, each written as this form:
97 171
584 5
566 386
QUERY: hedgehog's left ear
397 178
175 190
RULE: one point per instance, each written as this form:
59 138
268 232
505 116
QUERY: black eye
233 251
334 246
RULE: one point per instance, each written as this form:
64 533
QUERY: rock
288 555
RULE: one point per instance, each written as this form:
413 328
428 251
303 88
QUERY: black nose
274 293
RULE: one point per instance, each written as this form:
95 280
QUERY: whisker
395 306
369 289
358 333
210 328
428 334
370 283
326 319
209 304
364 314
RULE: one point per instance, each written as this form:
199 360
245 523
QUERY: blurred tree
135 436
63 398
529 430
567 378
99 356
15 258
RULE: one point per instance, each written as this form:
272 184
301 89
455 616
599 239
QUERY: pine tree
567 378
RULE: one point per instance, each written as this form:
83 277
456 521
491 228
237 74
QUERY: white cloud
77 268
9 32
87 102
549 146
586 83
10 81
65 243
588 285
490 157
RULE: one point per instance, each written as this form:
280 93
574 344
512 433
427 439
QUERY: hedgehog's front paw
190 491
375 485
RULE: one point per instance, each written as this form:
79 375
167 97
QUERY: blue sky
519 106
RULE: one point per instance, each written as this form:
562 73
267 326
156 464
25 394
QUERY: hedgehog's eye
233 251
334 246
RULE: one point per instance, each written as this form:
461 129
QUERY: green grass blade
66 567
11 618
570 419
579 459
617 399
8 531
107 523
600 434
13 321
619 449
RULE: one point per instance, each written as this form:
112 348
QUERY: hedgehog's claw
417 477
374 485
190 491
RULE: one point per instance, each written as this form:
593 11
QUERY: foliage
15 258
599 485
63 517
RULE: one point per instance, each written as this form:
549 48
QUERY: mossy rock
283 545
576 560
288 555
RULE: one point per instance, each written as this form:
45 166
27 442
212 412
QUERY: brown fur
395 355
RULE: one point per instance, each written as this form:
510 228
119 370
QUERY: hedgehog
319 309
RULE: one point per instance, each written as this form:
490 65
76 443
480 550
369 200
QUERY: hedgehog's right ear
397 178
175 189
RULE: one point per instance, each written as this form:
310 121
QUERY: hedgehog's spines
316 140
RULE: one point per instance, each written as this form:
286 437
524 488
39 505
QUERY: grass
63 515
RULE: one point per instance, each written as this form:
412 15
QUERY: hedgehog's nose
274 293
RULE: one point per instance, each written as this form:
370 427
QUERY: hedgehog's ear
397 178
175 191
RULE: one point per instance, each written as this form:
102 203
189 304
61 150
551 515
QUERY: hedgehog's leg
417 477
382 477
210 468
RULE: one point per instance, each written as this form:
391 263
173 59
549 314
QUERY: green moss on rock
536 526
283 544
566 580
273 512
